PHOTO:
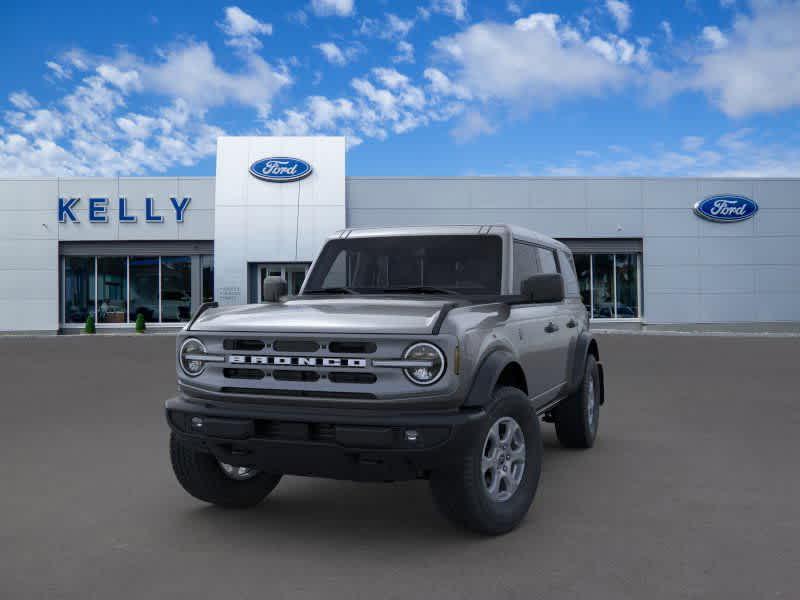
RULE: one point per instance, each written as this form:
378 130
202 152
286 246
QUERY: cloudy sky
435 87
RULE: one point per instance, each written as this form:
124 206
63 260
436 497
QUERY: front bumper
363 445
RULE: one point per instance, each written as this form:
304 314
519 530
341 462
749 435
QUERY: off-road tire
460 492
201 476
575 427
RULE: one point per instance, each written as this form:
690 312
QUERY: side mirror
273 288
544 287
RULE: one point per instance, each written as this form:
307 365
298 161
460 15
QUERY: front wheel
209 480
491 489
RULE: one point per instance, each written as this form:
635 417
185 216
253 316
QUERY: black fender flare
485 380
585 344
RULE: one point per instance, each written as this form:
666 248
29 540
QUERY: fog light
197 422
411 435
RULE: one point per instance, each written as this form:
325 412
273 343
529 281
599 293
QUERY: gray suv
420 352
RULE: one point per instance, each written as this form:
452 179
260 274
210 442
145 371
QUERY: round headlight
190 357
431 367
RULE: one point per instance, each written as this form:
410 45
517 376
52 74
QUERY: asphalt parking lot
692 491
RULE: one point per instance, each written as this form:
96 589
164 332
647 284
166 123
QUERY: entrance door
293 273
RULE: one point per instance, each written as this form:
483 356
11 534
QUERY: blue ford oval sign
280 169
726 209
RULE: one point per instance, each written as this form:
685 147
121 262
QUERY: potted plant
140 326
89 327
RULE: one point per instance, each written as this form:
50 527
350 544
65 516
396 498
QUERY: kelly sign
99 208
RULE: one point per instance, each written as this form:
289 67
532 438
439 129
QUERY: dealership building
650 252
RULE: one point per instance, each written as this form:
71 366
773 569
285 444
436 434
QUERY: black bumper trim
372 445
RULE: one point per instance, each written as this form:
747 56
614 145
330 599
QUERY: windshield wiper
332 290
420 289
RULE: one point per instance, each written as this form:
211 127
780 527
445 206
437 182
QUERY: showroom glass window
610 284
78 288
144 288
112 289
207 273
176 288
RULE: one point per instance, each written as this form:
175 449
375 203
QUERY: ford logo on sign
726 209
280 169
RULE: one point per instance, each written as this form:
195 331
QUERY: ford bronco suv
419 352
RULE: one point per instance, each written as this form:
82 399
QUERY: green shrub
89 327
140 326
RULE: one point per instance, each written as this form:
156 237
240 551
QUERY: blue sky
437 87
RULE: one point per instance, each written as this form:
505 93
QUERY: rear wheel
577 417
209 480
491 489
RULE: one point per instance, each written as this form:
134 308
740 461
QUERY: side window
525 263
547 260
570 277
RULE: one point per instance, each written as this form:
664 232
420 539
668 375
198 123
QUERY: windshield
463 264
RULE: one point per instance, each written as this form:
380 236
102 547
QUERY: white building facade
115 248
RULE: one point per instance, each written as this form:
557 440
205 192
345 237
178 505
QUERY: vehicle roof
512 231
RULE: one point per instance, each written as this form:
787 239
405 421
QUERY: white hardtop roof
513 231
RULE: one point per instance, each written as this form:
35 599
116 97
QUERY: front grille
245 345
298 393
285 375
352 377
295 346
243 373
347 347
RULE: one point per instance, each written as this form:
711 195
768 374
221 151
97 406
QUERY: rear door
558 330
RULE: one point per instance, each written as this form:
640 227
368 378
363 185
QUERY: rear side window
547 260
526 263
571 288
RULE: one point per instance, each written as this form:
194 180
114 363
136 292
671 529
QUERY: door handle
572 323
551 327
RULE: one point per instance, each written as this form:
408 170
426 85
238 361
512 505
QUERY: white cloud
453 8
243 29
735 154
692 143
22 100
405 53
536 60
336 55
441 84
758 70
398 27
339 8
59 71
473 124
91 130
621 11
514 8
385 101
666 27
715 37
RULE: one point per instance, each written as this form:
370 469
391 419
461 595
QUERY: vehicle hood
326 315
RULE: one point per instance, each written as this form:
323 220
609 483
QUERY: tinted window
469 264
525 263
547 260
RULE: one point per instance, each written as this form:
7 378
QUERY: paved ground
691 492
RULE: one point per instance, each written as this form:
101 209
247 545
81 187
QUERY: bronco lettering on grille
297 361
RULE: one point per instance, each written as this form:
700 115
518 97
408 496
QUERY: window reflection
176 288
207 267
602 286
609 284
112 290
627 286
144 288
78 288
